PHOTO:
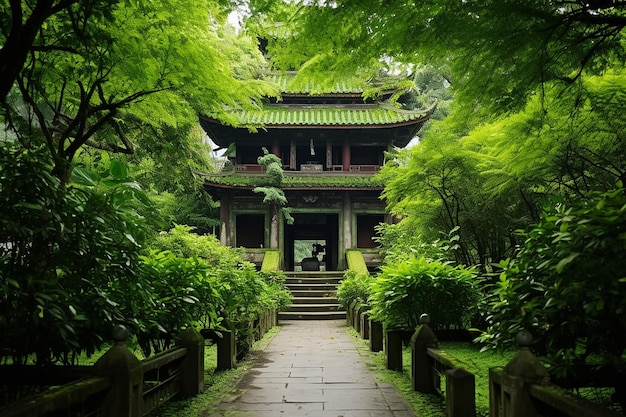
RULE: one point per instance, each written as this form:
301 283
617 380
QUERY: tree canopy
498 52
101 73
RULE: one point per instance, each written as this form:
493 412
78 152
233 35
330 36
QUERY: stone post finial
525 364
524 338
424 319
119 334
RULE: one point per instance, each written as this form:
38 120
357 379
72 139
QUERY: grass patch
424 405
219 385
478 363
429 405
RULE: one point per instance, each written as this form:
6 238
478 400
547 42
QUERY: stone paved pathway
312 369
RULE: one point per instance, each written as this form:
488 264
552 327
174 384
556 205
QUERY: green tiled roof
284 80
273 115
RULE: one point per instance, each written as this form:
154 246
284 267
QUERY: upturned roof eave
323 125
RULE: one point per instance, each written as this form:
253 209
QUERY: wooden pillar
274 226
346 155
225 220
276 147
460 393
347 220
329 155
292 155
523 370
365 325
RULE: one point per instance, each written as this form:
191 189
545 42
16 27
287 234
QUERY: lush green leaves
499 53
65 257
402 292
566 285
355 286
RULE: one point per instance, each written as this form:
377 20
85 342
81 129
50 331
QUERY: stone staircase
314 296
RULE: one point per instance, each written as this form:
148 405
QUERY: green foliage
116 76
273 195
183 243
273 167
490 48
399 242
437 186
223 283
567 285
69 258
404 291
301 181
180 292
355 286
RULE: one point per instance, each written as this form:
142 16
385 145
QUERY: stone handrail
523 389
428 363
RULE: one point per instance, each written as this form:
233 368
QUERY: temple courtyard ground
312 369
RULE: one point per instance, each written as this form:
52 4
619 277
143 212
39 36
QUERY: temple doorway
311 242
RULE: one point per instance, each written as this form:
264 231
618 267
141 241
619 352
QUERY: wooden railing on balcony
355 169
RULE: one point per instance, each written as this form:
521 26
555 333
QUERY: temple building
331 145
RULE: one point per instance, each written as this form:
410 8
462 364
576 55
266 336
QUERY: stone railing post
125 399
226 351
521 371
393 349
357 317
365 325
460 393
192 367
376 336
421 368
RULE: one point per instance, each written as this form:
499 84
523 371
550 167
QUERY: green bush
181 293
354 287
69 259
399 242
182 242
239 292
404 291
567 285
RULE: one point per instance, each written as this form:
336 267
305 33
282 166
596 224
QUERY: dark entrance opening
366 229
250 230
312 235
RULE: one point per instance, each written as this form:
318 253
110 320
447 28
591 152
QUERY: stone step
315 300
317 287
315 274
329 315
312 281
313 293
314 308
314 296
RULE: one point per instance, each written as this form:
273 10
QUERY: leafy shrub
399 242
229 286
404 291
182 242
181 293
567 285
68 259
354 287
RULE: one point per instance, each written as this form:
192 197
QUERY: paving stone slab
312 369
